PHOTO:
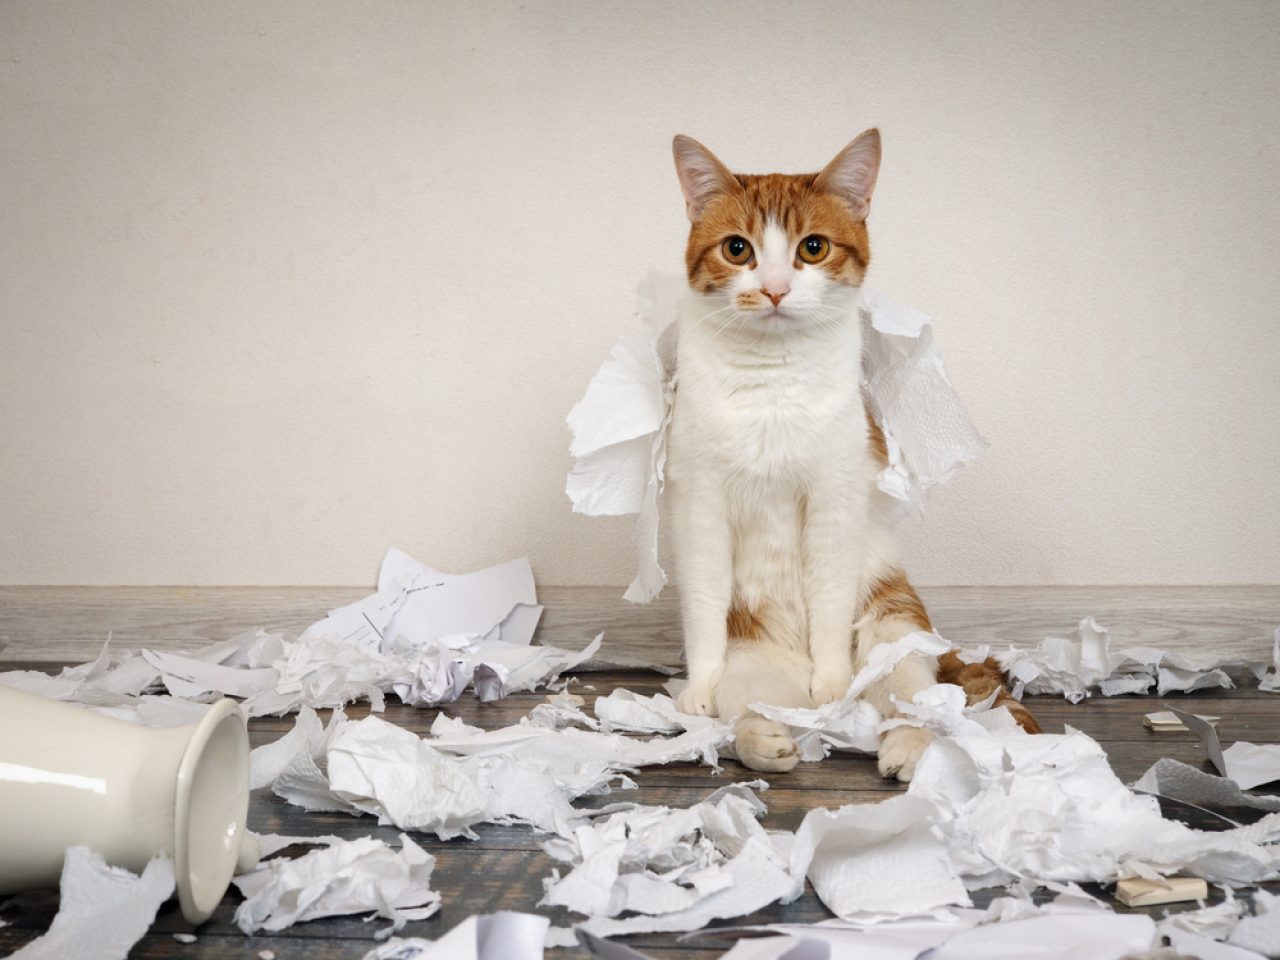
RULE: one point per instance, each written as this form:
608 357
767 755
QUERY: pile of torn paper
424 635
991 806
1077 668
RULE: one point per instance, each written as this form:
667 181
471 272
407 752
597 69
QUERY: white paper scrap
927 429
393 774
193 678
106 681
415 605
674 869
495 936
871 862
1049 807
103 910
1260 932
353 876
1215 922
1248 765
1269 674
1180 781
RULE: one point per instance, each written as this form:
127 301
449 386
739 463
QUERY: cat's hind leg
758 671
890 611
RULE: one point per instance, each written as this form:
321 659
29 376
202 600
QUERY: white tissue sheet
103 910
926 427
619 426
344 877
859 856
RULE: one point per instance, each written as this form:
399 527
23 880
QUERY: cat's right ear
702 176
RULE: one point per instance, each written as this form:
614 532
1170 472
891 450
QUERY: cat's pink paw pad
900 751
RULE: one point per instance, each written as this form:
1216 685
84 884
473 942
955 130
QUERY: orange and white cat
783 542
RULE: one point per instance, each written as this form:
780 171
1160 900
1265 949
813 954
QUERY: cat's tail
979 681
758 671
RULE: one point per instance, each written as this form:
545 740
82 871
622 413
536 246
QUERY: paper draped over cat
620 424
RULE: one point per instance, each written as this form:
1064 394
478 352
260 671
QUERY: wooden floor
503 870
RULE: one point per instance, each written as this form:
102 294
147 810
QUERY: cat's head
780 251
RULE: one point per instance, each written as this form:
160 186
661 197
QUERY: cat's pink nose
776 297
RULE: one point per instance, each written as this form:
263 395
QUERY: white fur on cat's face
810 297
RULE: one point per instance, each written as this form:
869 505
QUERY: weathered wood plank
70 623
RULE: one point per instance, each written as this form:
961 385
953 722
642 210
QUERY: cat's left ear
702 176
851 176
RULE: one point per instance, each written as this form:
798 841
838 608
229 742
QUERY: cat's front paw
698 699
829 685
763 745
900 751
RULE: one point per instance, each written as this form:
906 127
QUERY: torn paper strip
103 911
353 876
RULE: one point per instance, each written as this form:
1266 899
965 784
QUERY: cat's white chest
783 414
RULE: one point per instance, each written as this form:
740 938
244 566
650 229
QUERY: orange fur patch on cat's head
818 222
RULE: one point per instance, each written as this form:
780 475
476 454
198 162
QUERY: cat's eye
736 250
813 249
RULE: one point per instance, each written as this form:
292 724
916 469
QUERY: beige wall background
283 284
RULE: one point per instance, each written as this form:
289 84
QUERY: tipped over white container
72 777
